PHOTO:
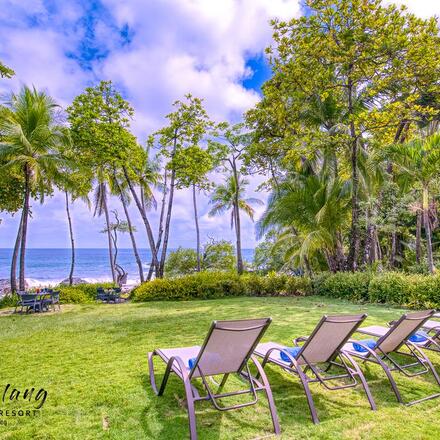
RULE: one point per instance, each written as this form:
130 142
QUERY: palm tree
30 141
417 162
119 187
230 197
101 207
309 212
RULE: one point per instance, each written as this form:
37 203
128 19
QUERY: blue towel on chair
418 337
293 351
191 363
370 343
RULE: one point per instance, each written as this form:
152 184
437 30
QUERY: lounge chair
227 349
323 346
390 341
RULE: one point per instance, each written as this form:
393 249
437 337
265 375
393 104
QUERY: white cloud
176 47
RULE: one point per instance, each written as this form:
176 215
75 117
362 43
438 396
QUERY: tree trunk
160 230
393 249
72 241
427 225
109 237
15 256
163 255
146 223
354 230
22 283
237 220
419 237
196 218
130 230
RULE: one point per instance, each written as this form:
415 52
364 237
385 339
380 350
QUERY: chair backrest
28 298
228 346
402 329
100 290
331 333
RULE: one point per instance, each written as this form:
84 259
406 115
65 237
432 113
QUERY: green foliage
209 285
99 119
347 285
218 255
413 291
5 71
181 262
82 293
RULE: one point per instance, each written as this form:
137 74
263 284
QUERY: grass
92 361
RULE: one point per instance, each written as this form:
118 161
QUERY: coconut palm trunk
419 237
196 219
132 237
147 225
72 240
427 226
21 280
15 256
237 221
109 237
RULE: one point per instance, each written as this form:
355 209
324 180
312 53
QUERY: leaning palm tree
417 162
225 197
30 140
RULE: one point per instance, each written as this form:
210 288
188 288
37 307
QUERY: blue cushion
293 351
370 343
191 363
418 337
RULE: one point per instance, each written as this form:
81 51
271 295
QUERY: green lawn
92 361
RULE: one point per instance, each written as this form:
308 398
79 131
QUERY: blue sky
155 51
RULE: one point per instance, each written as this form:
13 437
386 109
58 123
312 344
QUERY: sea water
46 267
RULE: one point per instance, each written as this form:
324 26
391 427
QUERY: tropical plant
230 196
417 163
30 139
309 211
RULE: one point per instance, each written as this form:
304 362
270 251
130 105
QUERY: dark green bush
352 286
205 285
409 290
391 287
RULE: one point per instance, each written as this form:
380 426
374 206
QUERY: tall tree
192 164
229 146
372 63
230 196
99 120
186 127
418 162
30 140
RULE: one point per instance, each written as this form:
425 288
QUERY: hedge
206 285
408 290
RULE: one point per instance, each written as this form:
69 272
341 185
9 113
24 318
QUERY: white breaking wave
34 282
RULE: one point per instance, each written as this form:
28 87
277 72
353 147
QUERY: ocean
47 267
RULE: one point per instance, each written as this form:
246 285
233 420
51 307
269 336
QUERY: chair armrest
296 341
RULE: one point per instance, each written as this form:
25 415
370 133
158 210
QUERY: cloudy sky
155 51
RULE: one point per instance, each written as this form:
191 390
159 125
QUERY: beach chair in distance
318 354
390 341
227 349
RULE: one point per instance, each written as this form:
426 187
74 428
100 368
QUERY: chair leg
364 383
391 379
270 400
309 397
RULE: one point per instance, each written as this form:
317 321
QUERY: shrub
81 293
205 285
391 287
8 301
352 286
181 262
